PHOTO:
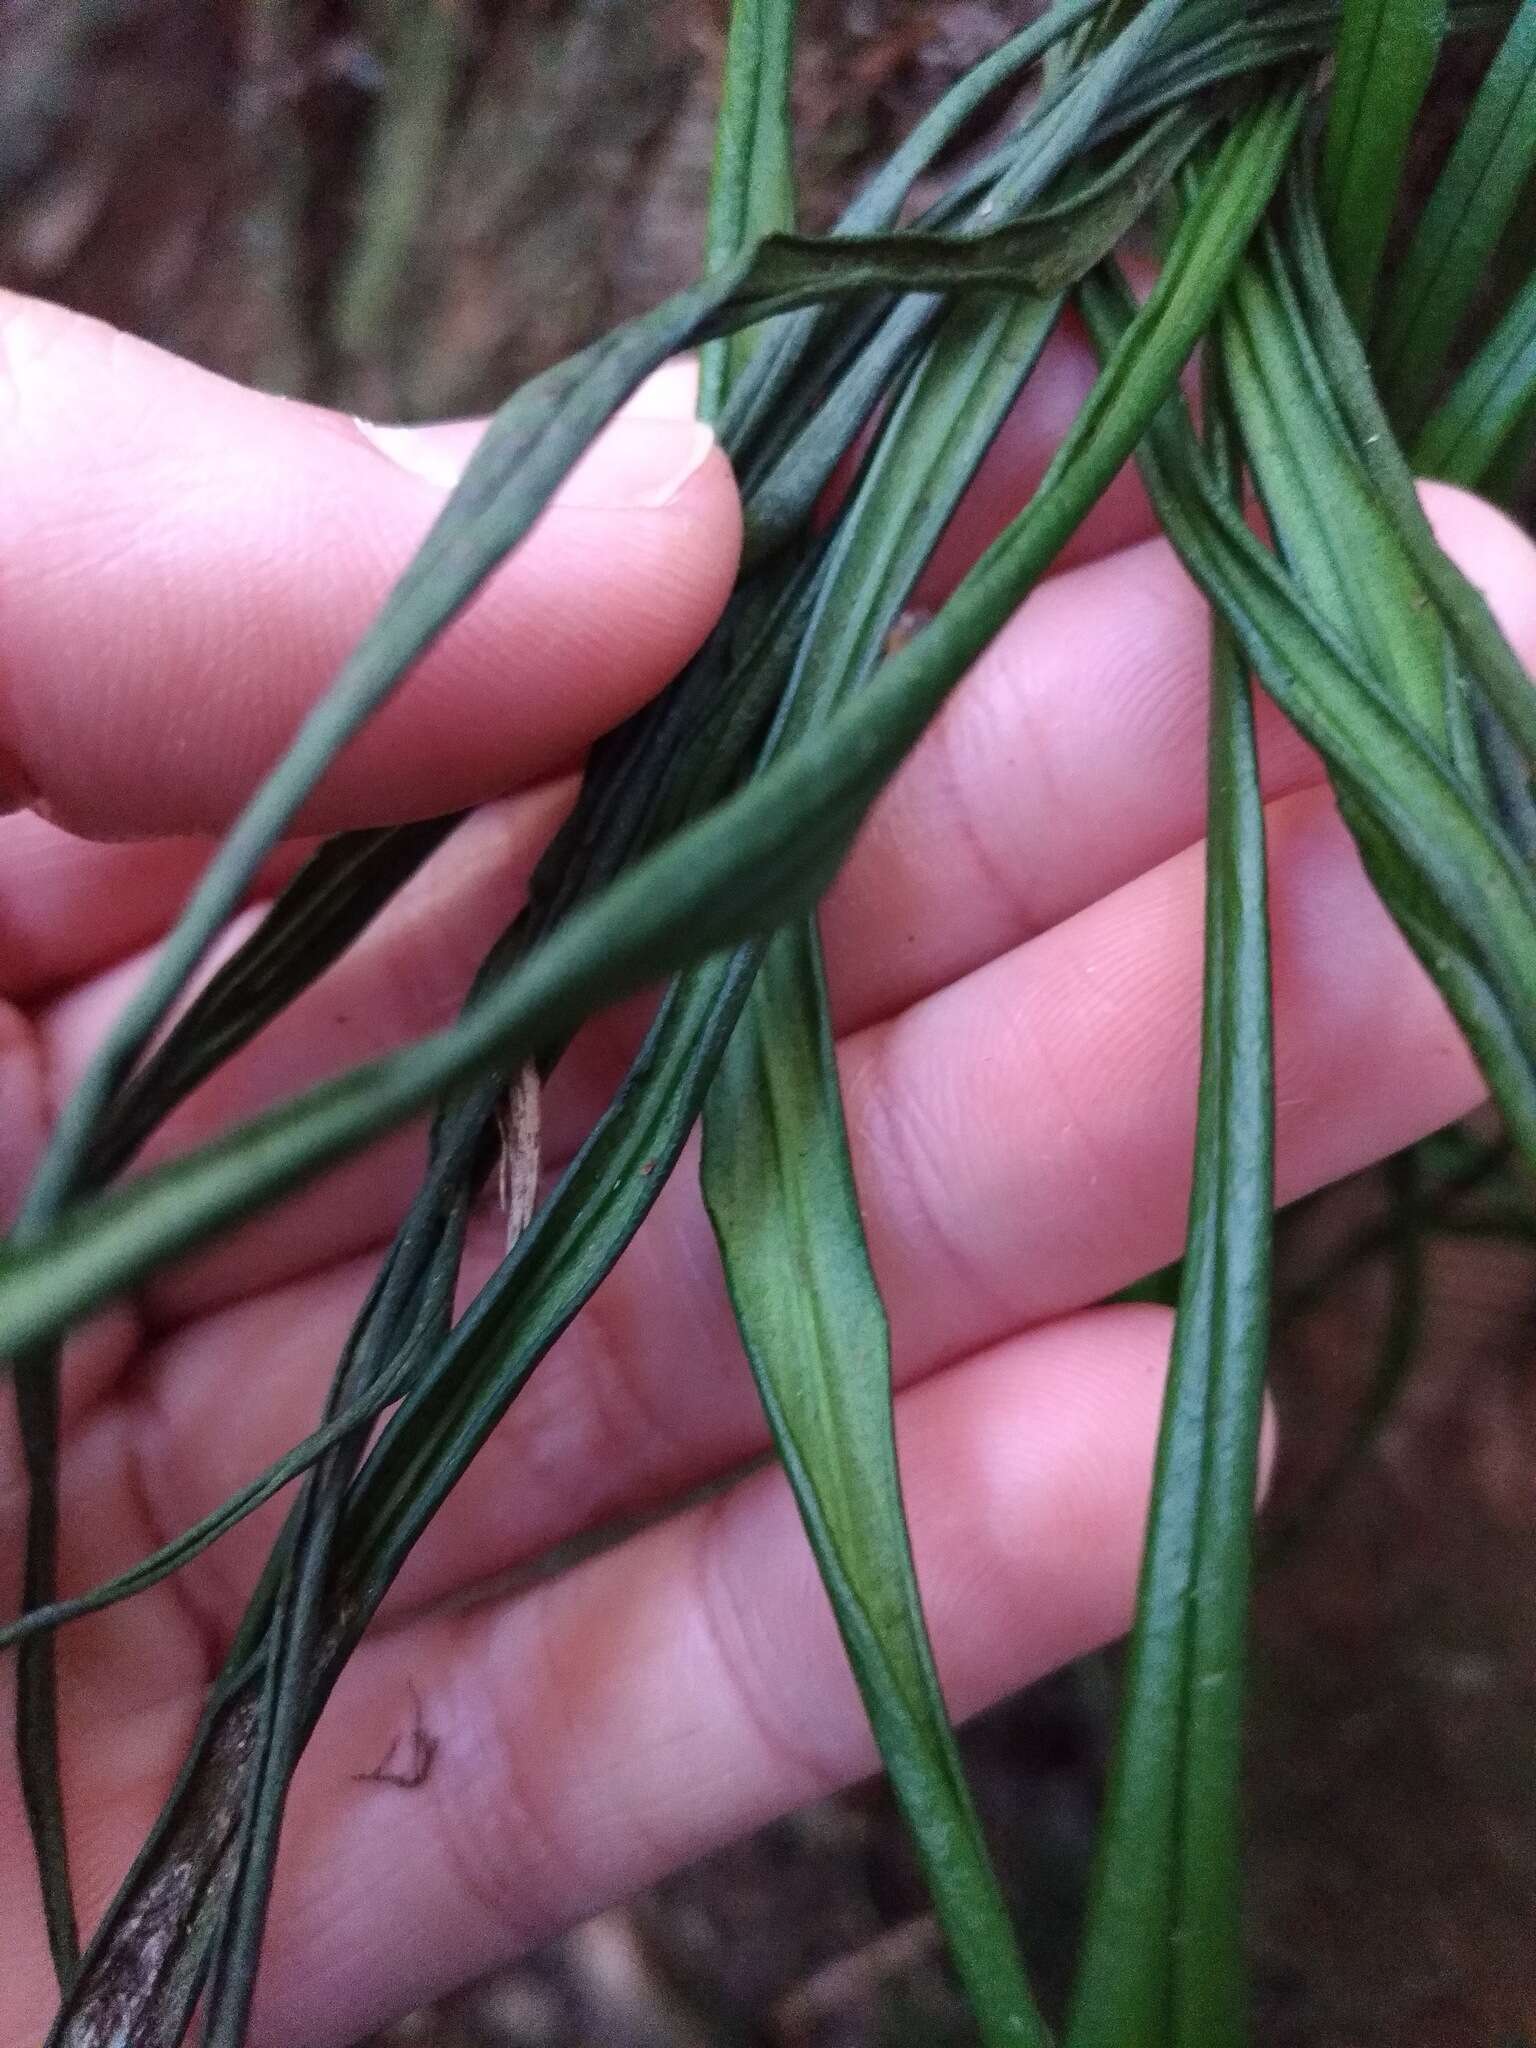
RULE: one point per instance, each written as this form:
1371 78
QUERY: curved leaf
751 863
1386 57
1446 262
1162 1963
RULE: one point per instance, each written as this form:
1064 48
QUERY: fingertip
1494 552
223 552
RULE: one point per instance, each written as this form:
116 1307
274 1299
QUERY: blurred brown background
405 208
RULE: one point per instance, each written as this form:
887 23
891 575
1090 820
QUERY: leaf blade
1162 1959
1386 56
752 190
749 863
1493 160
780 1194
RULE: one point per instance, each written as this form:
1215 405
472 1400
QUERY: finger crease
811 1776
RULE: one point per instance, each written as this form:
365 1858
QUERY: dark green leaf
1461 894
1447 261
37 1740
751 863
1386 57
778 1181
752 192
781 1196
1485 410
1162 1964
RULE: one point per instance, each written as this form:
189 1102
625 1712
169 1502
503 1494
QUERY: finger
23 1108
1022 1143
1073 758
193 561
1034 797
71 907
1026 1478
405 976
552 1726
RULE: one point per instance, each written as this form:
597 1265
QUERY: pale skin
1014 951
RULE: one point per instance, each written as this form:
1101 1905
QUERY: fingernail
437 453
639 462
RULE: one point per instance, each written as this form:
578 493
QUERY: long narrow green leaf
1345 372
1446 263
778 1181
37 1737
1162 1964
330 901
1495 396
1460 892
782 1047
1329 524
1243 175
781 1197
526 451
1386 57
752 192
748 865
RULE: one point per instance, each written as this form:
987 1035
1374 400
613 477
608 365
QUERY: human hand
1015 955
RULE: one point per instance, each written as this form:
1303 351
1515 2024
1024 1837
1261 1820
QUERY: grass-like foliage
1262 147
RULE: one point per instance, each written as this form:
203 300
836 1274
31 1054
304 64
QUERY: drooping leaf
1386 57
1461 893
1447 260
1162 1962
778 1180
782 1200
751 863
752 192
1483 414
37 1736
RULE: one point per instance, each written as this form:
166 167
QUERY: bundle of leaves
1263 148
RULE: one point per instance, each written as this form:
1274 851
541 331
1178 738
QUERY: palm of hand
1015 957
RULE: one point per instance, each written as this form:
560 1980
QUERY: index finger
184 564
